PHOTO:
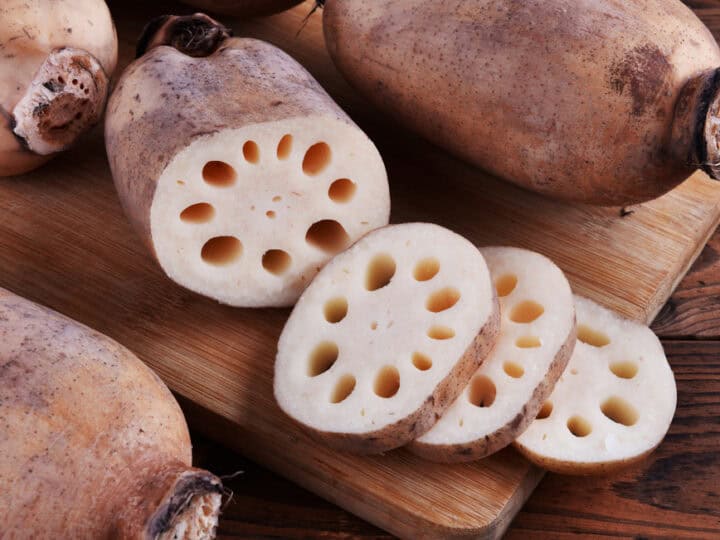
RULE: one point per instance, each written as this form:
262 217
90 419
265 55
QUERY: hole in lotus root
545 411
620 411
387 382
251 152
591 336
380 272
276 261
442 300
579 427
426 269
526 312
221 250
506 284
198 213
482 391
342 190
440 332
421 361
336 309
343 388
513 370
624 370
219 174
327 235
316 159
322 358
528 342
284 146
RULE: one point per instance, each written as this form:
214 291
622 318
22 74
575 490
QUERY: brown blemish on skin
645 73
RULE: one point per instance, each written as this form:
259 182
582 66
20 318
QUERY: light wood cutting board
64 242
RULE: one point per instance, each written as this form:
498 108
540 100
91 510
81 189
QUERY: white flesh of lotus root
368 366
614 403
537 334
248 216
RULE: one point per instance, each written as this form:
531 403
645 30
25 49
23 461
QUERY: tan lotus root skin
537 335
613 404
385 337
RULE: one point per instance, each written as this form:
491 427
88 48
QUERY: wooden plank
65 243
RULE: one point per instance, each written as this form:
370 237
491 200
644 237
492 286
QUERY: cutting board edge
219 428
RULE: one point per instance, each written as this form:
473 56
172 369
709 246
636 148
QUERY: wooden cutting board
64 242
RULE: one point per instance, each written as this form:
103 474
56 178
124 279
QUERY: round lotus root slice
613 404
537 335
386 337
238 170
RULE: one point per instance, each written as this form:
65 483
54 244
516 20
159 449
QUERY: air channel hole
221 250
591 336
620 411
285 147
198 213
440 332
526 312
545 411
251 152
336 309
316 158
322 358
426 269
442 300
506 284
342 190
387 382
421 361
219 174
528 342
380 272
327 235
579 427
513 369
624 370
343 388
482 391
276 261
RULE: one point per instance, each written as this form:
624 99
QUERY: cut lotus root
537 335
248 216
386 336
613 404
239 171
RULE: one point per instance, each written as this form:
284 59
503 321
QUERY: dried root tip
696 127
195 35
191 512
66 97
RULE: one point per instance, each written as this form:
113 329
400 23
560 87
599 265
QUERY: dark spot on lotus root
644 72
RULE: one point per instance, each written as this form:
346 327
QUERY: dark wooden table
674 494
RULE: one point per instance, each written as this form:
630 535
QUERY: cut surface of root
368 344
65 99
613 404
512 382
273 189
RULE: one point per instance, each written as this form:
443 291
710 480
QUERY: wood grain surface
65 243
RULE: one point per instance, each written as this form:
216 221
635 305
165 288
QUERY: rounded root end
190 511
195 35
64 100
